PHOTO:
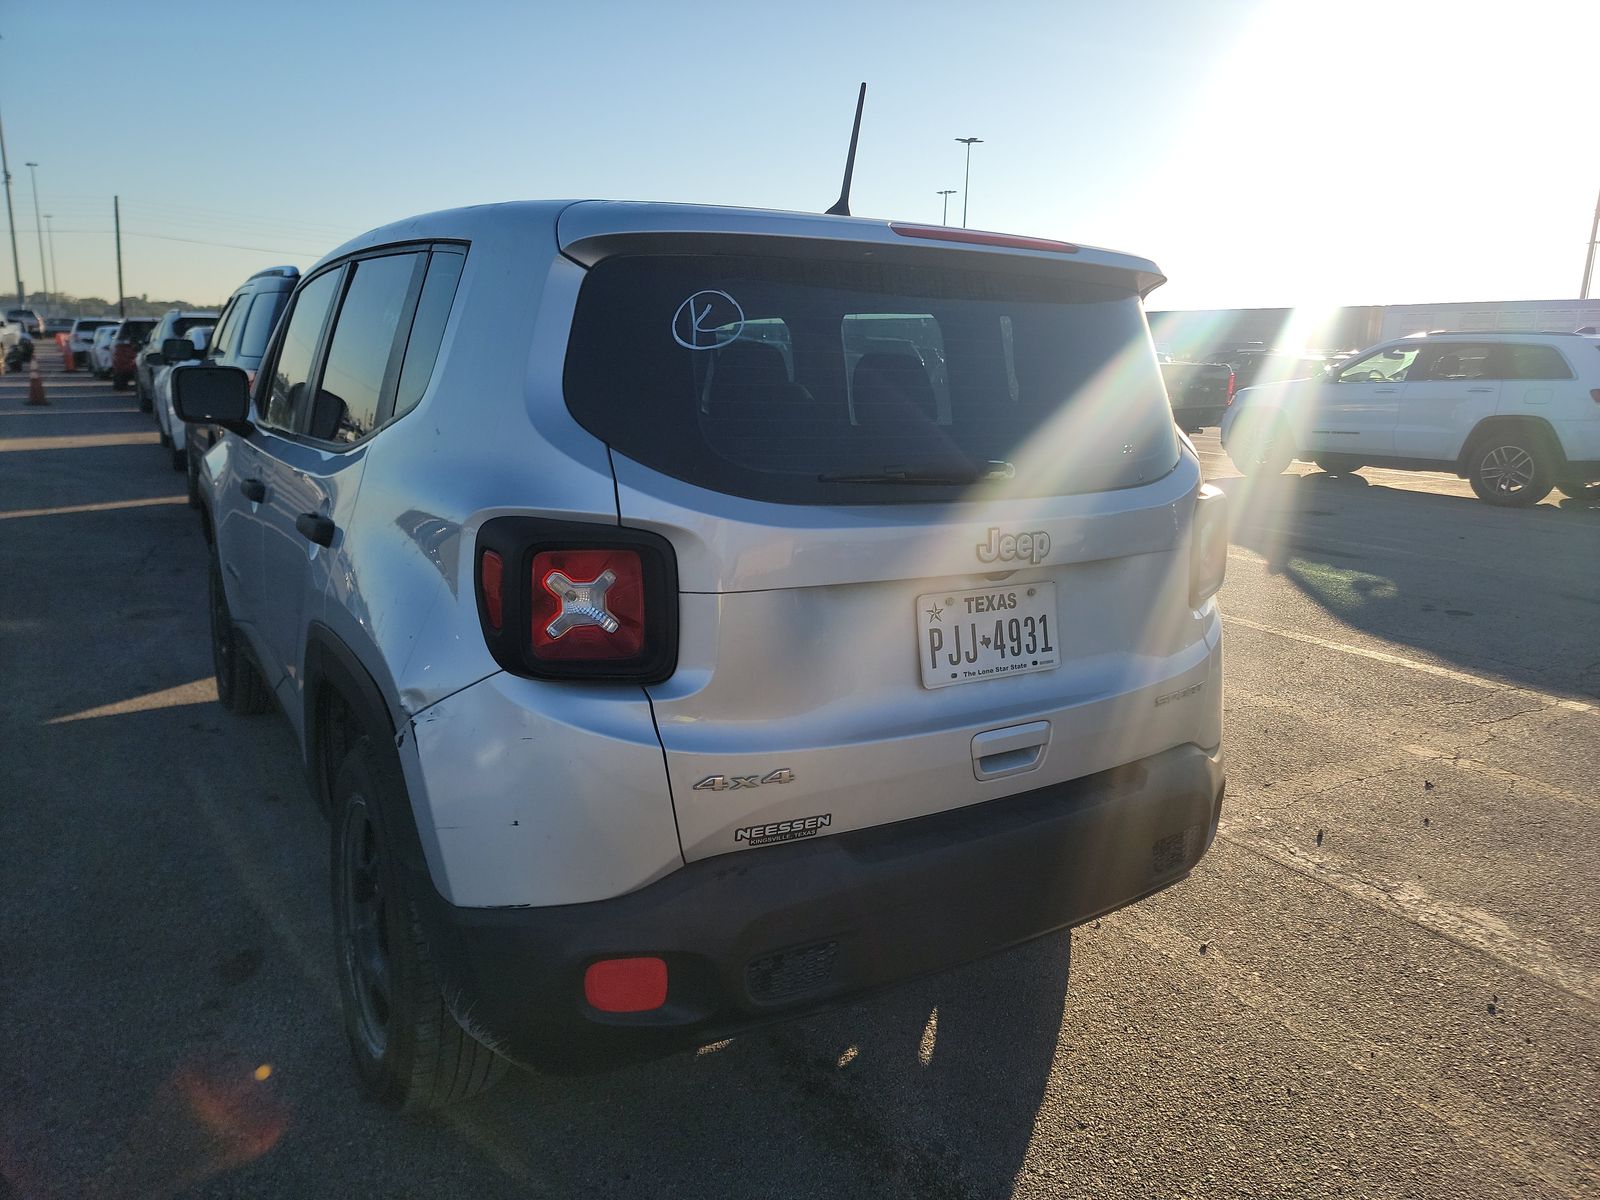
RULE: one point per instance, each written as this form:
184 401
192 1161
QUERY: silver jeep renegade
692 617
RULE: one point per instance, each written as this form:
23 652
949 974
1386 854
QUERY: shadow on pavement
1432 571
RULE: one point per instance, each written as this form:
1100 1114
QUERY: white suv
692 617
1516 414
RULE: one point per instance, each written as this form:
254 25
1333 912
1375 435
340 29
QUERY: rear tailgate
930 515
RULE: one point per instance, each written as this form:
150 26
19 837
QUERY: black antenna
841 207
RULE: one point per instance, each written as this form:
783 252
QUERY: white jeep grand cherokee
1515 414
692 617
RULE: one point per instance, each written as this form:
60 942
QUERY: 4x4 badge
730 783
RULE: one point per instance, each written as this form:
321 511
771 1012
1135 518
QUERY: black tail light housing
574 600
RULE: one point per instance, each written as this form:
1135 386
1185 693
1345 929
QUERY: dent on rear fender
530 793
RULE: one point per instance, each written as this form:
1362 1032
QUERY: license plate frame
968 623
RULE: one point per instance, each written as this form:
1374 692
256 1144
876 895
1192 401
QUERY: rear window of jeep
819 381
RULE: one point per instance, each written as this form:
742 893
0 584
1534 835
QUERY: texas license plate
986 633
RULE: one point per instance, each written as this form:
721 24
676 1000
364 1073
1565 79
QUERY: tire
1260 446
1511 467
166 442
192 469
240 687
180 460
1339 464
409 1050
145 403
119 383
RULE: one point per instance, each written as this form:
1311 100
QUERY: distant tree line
57 304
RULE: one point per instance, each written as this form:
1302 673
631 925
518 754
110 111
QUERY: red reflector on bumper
624 985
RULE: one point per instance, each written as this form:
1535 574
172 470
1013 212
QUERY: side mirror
213 396
177 350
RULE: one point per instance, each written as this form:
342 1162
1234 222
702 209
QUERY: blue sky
1271 152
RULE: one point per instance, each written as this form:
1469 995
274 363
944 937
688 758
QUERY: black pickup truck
1198 392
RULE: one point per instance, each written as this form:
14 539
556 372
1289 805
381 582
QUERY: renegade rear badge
783 831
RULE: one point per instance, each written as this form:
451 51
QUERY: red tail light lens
626 985
1233 381
587 604
577 600
491 578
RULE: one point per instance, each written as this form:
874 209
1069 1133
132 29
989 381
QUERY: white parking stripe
1411 664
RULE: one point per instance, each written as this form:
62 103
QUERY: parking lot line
68 510
1411 664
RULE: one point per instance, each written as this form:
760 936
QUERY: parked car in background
1198 392
190 349
240 340
662 681
1515 414
126 345
15 344
100 350
174 324
1253 367
28 319
80 339
55 325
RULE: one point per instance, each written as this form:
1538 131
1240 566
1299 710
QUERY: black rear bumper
763 935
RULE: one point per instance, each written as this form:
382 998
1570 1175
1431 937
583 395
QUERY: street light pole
966 183
11 218
1588 263
38 226
944 219
50 236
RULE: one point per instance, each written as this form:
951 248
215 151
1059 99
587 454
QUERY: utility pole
966 184
1588 263
16 263
116 215
50 236
947 193
38 224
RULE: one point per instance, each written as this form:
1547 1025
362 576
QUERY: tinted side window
258 328
427 330
228 325
296 353
1453 361
1535 362
364 355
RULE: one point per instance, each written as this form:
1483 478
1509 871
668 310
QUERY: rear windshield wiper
958 476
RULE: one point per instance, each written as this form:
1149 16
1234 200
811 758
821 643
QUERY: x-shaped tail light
582 604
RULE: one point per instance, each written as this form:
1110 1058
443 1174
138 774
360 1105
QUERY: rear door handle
254 490
315 529
1011 751
1480 389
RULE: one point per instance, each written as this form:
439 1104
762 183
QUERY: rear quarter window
773 377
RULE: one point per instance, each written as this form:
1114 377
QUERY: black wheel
1578 490
240 687
410 1051
1339 464
145 403
119 383
191 466
180 458
166 442
1260 446
1511 467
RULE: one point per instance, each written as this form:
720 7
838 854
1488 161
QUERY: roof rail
1500 332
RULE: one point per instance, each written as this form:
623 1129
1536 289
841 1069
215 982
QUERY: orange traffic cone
36 387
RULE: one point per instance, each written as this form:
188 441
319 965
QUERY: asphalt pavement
1383 981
